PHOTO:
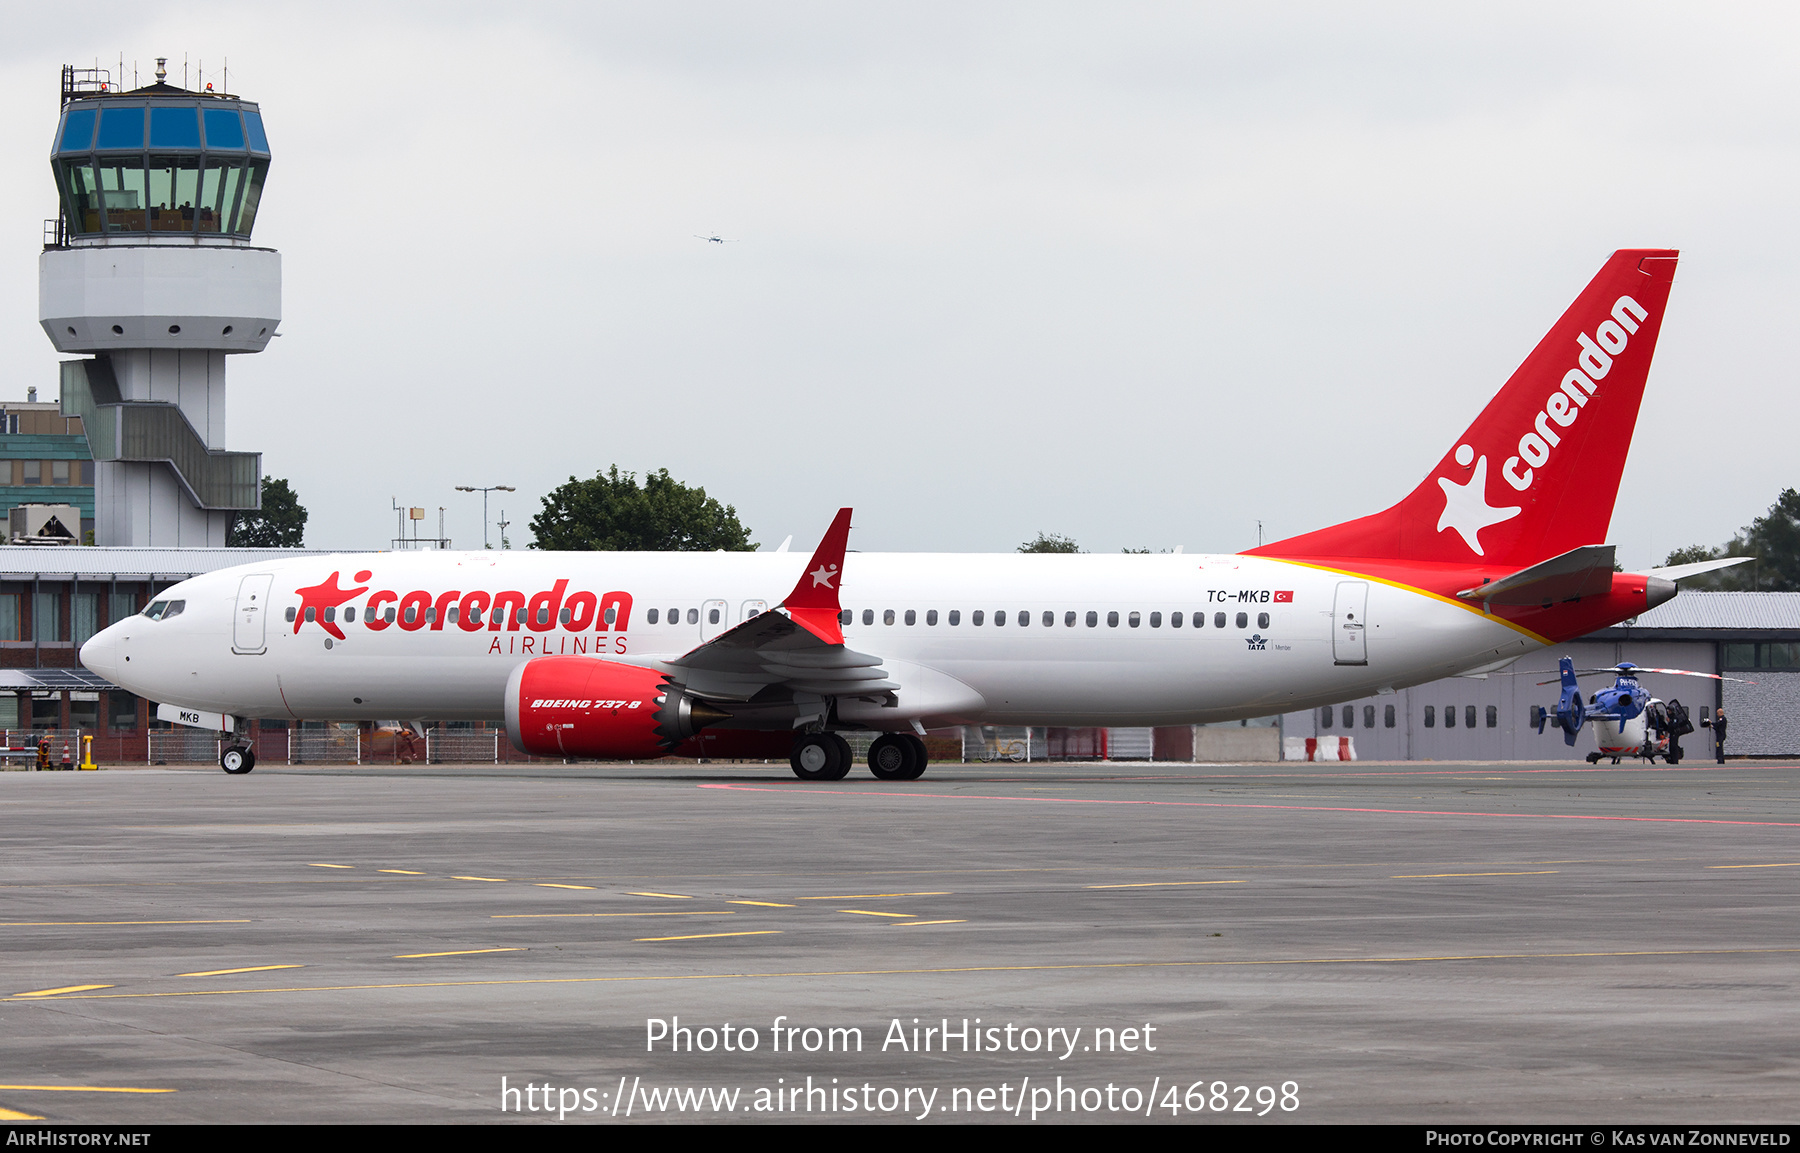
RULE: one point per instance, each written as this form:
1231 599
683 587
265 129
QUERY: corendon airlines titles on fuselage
641 655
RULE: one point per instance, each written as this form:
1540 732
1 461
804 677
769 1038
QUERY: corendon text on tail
1497 553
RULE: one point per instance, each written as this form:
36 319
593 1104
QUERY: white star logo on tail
1465 505
823 575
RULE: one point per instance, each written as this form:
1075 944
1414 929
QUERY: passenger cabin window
1325 717
1430 717
868 616
1112 620
350 613
1174 620
1069 619
649 617
693 616
1368 716
1133 620
1156 620
1093 618
1218 621
1468 716
291 614
1262 622
1000 617
975 617
956 616
1349 716
887 616
675 617
844 617
1493 716
912 618
1049 618
1387 718
931 616
712 616
1243 620
1449 716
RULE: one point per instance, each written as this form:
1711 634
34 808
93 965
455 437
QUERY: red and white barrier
1319 749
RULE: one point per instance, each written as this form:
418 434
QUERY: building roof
60 562
1710 611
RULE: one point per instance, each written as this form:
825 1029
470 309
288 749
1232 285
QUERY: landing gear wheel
923 757
1593 758
820 757
238 759
893 758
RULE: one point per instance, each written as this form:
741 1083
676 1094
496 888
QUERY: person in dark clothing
1680 725
1717 725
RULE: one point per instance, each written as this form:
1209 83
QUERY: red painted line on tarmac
1231 805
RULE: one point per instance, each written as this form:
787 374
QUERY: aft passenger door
1349 631
249 625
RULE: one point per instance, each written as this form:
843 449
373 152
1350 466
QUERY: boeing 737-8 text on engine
1496 554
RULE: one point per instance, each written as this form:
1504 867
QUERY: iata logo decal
1257 642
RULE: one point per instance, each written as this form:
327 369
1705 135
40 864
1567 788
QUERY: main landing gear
827 757
821 757
238 759
898 757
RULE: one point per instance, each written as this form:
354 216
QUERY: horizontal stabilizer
1580 572
1675 572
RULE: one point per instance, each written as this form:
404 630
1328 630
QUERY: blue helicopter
1627 720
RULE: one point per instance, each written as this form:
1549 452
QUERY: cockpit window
163 610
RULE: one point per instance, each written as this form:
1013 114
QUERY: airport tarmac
1409 943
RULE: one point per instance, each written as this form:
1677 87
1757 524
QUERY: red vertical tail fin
1537 473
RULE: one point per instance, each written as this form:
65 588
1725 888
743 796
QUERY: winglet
814 602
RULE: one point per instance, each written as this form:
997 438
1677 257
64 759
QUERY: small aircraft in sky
715 239
1628 721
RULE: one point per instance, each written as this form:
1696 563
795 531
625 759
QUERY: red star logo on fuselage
326 594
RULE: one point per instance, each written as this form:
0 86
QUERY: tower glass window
136 163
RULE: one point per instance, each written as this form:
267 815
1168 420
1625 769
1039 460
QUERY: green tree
280 523
613 513
1773 539
1049 542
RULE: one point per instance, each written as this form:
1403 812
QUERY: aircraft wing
1676 572
798 645
1584 571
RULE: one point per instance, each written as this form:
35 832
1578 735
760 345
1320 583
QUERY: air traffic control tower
150 274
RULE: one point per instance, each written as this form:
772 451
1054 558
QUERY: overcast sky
1141 275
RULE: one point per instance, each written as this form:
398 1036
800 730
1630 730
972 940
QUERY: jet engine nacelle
587 707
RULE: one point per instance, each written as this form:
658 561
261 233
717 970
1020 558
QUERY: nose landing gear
238 759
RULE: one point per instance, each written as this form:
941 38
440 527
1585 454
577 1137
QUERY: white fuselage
1257 636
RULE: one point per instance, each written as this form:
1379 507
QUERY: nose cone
100 654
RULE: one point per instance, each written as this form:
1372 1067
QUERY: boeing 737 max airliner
1495 555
